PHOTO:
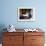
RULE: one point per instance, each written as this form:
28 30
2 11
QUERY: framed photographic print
26 14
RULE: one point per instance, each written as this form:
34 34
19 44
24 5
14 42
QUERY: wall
9 13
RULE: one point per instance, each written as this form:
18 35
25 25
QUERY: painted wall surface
9 13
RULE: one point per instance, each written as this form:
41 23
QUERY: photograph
26 14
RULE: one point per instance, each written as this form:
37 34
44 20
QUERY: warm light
44 44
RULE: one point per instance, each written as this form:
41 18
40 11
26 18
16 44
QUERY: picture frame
26 14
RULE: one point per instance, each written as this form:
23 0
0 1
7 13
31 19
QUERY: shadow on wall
2 26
